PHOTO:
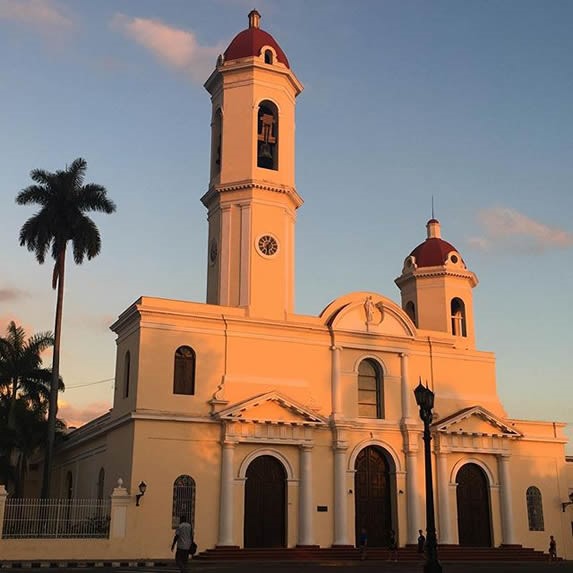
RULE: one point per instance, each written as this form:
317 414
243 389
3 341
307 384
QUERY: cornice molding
216 190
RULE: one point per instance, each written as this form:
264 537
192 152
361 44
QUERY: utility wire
89 383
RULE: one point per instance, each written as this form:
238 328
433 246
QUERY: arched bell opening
267 136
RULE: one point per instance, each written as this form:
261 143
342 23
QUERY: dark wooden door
372 496
474 523
265 503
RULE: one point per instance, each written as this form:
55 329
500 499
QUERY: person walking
182 539
393 546
552 549
421 542
363 543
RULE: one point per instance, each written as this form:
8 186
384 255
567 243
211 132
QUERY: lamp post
425 400
142 488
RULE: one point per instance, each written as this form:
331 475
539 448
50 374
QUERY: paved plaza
339 566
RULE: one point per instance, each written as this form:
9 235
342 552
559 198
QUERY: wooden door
474 523
373 510
265 503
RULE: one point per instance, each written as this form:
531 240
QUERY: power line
89 383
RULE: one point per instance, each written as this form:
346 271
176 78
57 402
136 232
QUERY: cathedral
269 428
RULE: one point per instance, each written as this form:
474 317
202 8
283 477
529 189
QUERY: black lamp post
425 400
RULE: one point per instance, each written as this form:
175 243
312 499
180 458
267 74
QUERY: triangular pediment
476 421
271 408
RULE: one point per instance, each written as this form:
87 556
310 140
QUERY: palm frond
86 241
34 194
93 197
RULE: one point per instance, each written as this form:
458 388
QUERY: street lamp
425 400
142 488
566 503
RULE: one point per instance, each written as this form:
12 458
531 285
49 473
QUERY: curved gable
368 312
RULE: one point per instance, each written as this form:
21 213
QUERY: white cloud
505 228
176 48
43 14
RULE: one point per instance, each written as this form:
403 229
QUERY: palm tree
24 393
21 372
64 200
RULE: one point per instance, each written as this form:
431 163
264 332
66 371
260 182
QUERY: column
340 497
120 500
226 501
507 534
413 497
305 525
336 388
404 386
444 517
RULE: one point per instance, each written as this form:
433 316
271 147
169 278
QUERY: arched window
267 138
100 483
126 374
183 500
534 509
411 311
370 390
458 317
184 371
268 57
216 142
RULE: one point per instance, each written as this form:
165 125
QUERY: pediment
271 408
368 312
475 421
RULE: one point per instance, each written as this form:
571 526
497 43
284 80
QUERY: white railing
56 518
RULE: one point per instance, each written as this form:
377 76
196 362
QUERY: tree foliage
24 392
64 199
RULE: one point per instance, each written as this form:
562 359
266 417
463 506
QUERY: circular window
454 259
213 251
267 245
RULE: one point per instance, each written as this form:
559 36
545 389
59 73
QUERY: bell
265 151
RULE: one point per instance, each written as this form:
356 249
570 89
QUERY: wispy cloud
8 294
98 322
508 229
76 416
176 48
42 14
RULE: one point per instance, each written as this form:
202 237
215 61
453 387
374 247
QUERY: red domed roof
249 42
432 252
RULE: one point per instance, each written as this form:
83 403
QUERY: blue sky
467 101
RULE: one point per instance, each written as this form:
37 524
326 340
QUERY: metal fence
56 518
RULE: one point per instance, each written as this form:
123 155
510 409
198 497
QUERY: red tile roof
249 42
432 252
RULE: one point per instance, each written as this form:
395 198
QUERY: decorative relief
374 312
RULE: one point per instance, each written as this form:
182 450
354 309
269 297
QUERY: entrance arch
474 515
372 496
265 503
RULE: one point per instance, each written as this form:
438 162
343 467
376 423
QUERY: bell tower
436 288
252 199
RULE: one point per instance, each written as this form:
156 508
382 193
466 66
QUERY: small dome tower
436 288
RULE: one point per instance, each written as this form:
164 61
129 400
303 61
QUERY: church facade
270 428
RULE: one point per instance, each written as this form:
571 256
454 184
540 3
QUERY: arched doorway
265 503
474 523
372 496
